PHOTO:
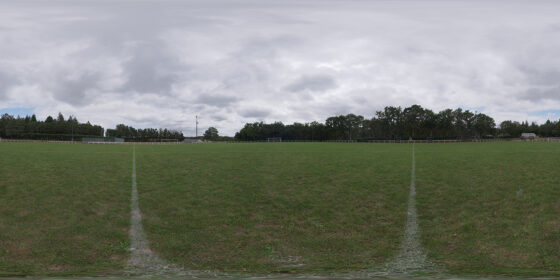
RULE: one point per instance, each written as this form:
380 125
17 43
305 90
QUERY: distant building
528 136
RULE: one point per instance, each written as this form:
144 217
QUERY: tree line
29 127
130 133
396 123
392 123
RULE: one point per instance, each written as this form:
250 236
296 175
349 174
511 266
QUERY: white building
528 136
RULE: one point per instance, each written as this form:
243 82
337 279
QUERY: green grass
471 218
64 209
269 207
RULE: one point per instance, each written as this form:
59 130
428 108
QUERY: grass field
64 209
275 207
491 208
484 208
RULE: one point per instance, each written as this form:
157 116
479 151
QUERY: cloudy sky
160 63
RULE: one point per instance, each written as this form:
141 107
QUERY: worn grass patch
64 209
275 206
491 208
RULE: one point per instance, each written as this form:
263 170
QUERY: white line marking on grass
142 259
411 256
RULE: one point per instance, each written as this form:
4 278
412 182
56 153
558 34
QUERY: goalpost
274 139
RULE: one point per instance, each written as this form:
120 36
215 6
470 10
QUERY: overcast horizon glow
160 63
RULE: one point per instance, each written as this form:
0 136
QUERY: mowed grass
64 209
484 208
491 208
274 207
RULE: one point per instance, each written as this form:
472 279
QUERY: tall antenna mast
196 129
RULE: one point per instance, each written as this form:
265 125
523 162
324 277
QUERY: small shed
528 136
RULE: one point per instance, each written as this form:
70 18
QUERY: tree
336 127
60 117
211 134
354 124
444 124
391 121
414 118
510 129
483 125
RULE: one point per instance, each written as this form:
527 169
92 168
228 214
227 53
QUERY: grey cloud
151 70
252 55
268 46
339 108
543 81
219 118
360 100
312 83
216 100
536 94
140 119
255 113
542 76
76 91
5 83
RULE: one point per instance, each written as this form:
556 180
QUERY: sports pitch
483 208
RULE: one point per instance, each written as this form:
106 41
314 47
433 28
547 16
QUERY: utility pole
196 127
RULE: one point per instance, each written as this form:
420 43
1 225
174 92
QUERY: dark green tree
211 134
60 117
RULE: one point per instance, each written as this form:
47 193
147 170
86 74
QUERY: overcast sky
160 63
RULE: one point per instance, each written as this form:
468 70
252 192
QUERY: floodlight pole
196 127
